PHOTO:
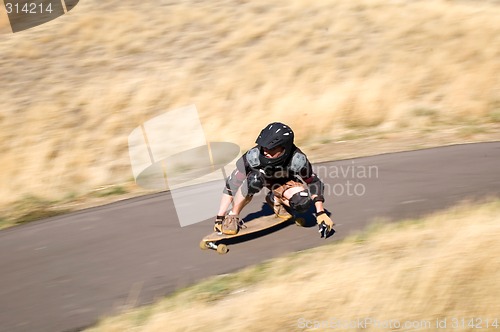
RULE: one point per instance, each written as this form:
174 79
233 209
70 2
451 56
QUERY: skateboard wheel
203 245
300 222
222 249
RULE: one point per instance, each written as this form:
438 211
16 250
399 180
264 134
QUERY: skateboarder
277 164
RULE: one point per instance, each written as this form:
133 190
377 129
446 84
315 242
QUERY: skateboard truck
220 248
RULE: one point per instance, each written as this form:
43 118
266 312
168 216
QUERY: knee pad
255 181
300 201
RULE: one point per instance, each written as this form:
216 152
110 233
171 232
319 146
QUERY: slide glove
325 224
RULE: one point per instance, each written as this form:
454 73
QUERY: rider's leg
240 202
276 203
287 194
226 200
252 185
281 194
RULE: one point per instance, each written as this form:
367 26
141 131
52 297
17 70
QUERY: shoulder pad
253 157
298 162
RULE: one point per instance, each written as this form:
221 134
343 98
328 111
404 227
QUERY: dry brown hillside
73 89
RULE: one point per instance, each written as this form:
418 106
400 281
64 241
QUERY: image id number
28 8
474 323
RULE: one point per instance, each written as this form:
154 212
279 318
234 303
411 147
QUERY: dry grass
443 266
4 20
74 88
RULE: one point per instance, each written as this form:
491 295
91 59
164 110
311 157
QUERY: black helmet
273 135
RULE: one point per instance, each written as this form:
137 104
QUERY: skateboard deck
212 241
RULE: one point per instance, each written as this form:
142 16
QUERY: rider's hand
325 223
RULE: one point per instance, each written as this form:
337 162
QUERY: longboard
212 241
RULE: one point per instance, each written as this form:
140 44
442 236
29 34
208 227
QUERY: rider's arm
237 177
316 189
315 185
233 183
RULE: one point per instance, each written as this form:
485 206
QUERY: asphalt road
63 273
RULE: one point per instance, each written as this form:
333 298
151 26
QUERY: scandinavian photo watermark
461 323
347 180
171 152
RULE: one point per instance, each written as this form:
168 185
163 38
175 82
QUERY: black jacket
296 167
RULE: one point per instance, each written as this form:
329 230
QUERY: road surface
64 273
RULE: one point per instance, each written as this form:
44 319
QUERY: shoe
231 224
278 208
